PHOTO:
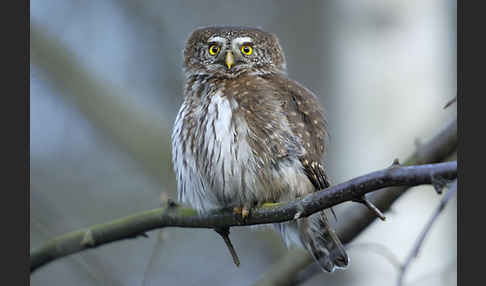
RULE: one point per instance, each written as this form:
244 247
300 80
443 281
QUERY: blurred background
106 84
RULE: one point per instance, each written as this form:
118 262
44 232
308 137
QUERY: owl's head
231 51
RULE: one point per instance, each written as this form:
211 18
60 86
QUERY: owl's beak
230 60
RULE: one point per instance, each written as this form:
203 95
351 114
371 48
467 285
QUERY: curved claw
244 211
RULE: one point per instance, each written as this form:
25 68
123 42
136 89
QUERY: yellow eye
213 49
246 50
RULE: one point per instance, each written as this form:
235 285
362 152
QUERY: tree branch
173 215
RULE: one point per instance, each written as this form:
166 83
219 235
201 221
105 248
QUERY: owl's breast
230 150
212 158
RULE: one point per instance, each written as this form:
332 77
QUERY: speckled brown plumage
246 134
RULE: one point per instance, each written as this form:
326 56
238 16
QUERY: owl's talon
241 212
245 212
237 210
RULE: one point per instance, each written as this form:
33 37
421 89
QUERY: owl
246 134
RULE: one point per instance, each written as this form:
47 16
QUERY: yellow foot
237 210
243 211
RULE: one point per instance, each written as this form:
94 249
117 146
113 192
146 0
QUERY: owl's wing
270 137
308 124
285 120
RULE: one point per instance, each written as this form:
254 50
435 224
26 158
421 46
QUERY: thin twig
420 241
224 232
450 102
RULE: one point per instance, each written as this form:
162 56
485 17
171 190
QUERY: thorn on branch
300 211
438 188
450 102
166 201
88 239
364 200
439 184
224 232
171 203
137 235
395 163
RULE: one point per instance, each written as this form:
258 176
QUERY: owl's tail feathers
322 242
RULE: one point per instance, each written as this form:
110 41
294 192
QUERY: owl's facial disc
231 51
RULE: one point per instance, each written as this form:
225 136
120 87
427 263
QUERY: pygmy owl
246 134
